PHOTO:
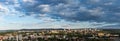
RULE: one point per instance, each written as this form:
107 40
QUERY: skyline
25 14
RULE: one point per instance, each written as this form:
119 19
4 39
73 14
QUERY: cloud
70 10
114 26
3 8
34 25
28 0
1 18
45 8
95 0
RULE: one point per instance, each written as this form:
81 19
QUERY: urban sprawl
60 35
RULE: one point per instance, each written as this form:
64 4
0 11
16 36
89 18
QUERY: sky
36 14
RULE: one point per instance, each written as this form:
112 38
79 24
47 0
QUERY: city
59 20
88 34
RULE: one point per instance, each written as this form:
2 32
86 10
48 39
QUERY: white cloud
32 1
47 19
8 10
42 15
82 9
29 2
73 2
65 9
45 8
109 3
3 8
94 1
15 1
96 11
16 5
